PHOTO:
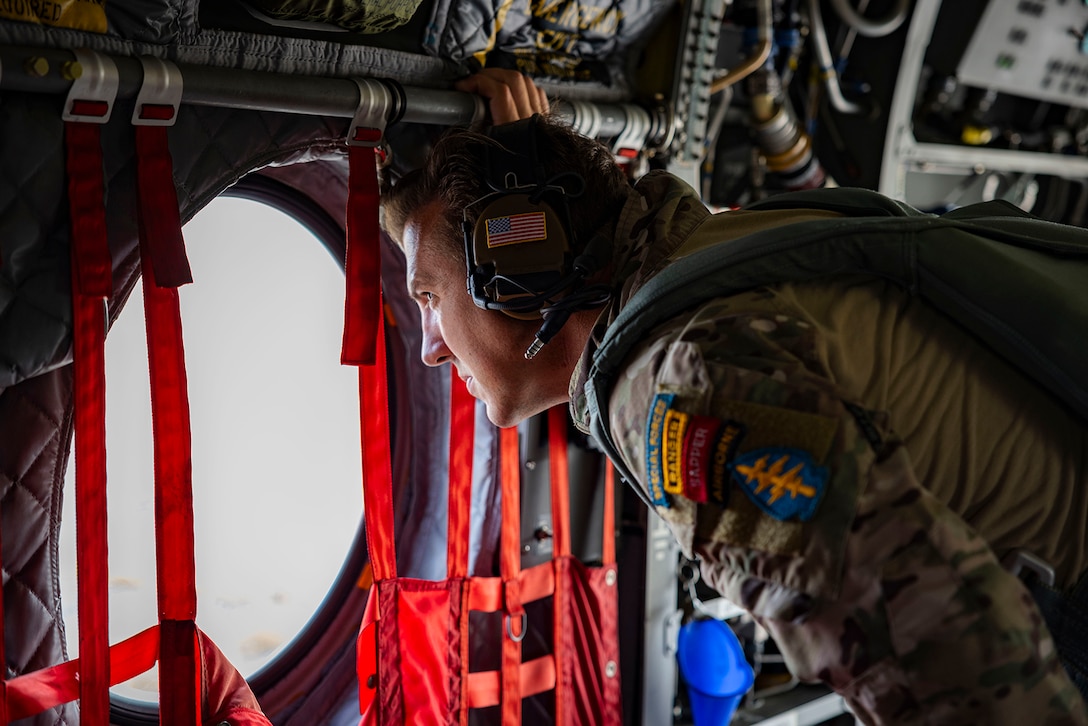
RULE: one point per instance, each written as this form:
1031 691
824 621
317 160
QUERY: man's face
486 348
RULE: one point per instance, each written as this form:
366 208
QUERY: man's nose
433 350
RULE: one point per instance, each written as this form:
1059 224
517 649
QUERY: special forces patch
785 483
655 432
688 454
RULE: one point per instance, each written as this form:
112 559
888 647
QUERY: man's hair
455 175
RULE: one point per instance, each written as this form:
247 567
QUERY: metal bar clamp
587 118
635 131
371 116
94 87
159 99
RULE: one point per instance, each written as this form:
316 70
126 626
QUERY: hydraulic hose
872 28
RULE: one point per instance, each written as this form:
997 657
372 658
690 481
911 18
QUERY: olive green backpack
1018 283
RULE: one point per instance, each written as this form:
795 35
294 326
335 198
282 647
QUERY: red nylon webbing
4 685
537 676
164 265
459 506
510 569
91 286
377 469
462 430
86 192
179 673
608 547
170 416
560 481
155 186
362 264
35 692
486 593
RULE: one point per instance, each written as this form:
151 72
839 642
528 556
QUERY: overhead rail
53 70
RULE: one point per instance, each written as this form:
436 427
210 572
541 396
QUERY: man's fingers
544 104
511 95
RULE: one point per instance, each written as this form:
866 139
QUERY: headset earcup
522 245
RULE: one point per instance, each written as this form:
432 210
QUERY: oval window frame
336 613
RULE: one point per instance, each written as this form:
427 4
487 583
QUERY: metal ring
524 628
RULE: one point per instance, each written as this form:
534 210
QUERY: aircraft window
276 472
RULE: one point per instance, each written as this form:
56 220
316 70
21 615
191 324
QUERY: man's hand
511 95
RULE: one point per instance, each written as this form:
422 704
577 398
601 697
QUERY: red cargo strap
510 569
86 194
162 222
364 346
560 475
462 435
164 266
608 546
35 692
462 438
537 676
362 263
92 284
377 468
486 594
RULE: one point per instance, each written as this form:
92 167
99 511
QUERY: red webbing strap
537 676
510 569
377 468
161 242
35 692
486 593
4 684
462 435
92 285
608 546
462 439
362 263
559 473
364 346
157 195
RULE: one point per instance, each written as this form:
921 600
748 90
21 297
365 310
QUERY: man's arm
822 531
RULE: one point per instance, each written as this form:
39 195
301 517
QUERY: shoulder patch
725 448
698 445
655 434
676 426
709 447
785 483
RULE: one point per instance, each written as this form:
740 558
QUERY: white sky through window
275 423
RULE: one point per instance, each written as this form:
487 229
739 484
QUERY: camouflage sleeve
807 513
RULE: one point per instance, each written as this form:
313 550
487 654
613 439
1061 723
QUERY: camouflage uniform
874 583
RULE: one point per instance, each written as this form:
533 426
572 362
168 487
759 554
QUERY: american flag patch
516 228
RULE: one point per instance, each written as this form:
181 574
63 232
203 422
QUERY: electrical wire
758 57
827 64
872 28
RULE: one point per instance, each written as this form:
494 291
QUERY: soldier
846 464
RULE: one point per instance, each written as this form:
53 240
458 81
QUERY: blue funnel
713 665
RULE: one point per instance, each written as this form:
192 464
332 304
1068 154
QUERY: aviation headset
519 251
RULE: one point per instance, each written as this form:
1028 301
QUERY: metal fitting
71 70
36 66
